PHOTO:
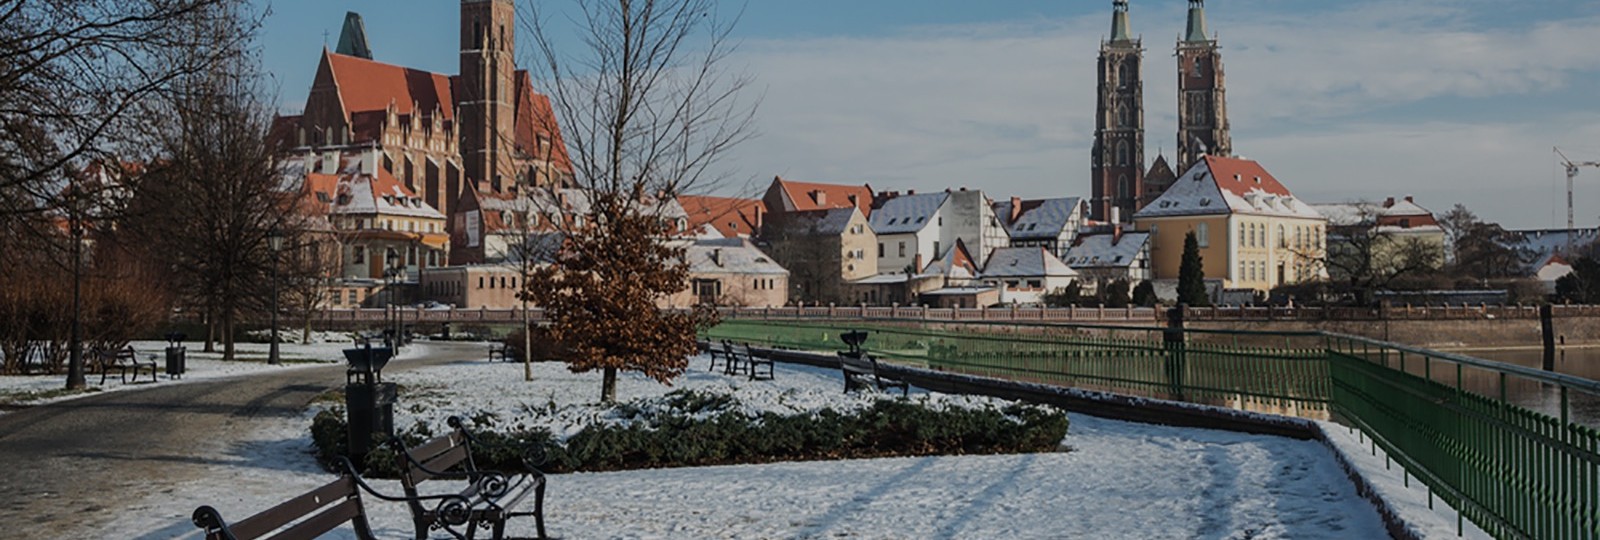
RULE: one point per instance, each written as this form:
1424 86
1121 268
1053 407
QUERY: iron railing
1499 442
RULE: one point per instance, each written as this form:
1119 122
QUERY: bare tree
1456 223
1366 256
74 75
648 111
210 202
308 268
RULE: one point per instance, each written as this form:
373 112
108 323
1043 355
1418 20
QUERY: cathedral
1121 183
484 129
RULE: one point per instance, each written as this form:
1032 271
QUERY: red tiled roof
730 216
366 85
1238 176
535 117
804 195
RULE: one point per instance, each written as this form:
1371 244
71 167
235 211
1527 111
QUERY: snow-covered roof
1040 218
1219 185
380 194
1105 251
954 263
730 256
882 279
958 291
1402 216
1025 262
827 222
907 213
1548 241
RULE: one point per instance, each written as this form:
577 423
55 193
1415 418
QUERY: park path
67 468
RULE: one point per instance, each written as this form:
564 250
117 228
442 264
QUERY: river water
1582 407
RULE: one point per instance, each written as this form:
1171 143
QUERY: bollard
1547 323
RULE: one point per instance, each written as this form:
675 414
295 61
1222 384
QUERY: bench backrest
441 454
328 507
738 349
860 365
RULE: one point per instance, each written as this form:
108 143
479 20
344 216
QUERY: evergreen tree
1144 295
1191 277
1116 294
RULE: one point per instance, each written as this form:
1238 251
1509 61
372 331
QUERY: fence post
1546 314
1172 340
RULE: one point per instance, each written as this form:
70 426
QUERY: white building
1025 274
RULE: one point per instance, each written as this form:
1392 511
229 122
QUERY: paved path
62 466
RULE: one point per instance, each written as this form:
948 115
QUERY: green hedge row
699 429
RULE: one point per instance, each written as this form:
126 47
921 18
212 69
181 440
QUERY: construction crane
1572 172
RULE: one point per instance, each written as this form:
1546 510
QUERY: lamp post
393 274
275 241
75 378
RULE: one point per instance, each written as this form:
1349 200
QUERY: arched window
1124 116
1283 239
1122 186
1122 154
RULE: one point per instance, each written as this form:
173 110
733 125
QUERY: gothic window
1124 116
477 34
1122 187
1125 76
1122 153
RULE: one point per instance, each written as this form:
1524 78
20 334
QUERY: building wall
734 289
969 216
919 243
1245 251
858 249
472 287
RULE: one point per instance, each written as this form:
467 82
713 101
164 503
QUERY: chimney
1388 203
716 256
1116 234
820 196
963 188
1410 200
1016 208
1116 214
916 265
911 192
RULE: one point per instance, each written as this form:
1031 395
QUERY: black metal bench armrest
400 446
452 508
210 520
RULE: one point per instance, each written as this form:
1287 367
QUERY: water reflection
1582 407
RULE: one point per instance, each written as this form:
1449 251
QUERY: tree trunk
227 335
211 331
305 333
608 386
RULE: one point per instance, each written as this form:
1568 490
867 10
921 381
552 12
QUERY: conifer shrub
691 429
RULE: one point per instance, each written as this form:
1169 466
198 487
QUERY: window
361 224
1122 153
936 248
353 301
880 250
411 256
1244 234
480 282
941 221
358 254
902 249
1203 235
1283 239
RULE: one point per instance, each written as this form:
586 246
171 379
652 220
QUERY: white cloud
1009 108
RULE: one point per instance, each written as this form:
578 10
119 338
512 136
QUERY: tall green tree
1191 275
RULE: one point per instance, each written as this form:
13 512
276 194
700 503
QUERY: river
1580 362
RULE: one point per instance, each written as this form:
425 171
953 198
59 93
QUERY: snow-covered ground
1120 480
250 358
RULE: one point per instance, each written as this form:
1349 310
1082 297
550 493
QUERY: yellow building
1253 233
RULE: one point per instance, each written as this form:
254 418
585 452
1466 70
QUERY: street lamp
275 241
75 378
394 273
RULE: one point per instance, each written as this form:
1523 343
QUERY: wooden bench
488 498
739 355
123 360
861 370
308 516
497 351
717 349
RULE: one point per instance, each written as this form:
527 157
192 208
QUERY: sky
1451 101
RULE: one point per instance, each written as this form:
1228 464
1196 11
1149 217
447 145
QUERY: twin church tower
1122 185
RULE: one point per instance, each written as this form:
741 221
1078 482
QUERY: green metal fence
1515 472
1448 419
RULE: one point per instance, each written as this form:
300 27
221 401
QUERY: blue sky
1453 101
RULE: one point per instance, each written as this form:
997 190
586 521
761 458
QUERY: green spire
1197 22
1119 21
353 40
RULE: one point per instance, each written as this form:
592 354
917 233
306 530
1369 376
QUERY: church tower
1202 95
486 92
1119 123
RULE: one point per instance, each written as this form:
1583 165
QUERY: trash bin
369 402
177 356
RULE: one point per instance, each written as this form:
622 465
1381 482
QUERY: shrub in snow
688 428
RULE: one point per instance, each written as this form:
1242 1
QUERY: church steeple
353 39
1119 21
1202 94
1197 22
1118 160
